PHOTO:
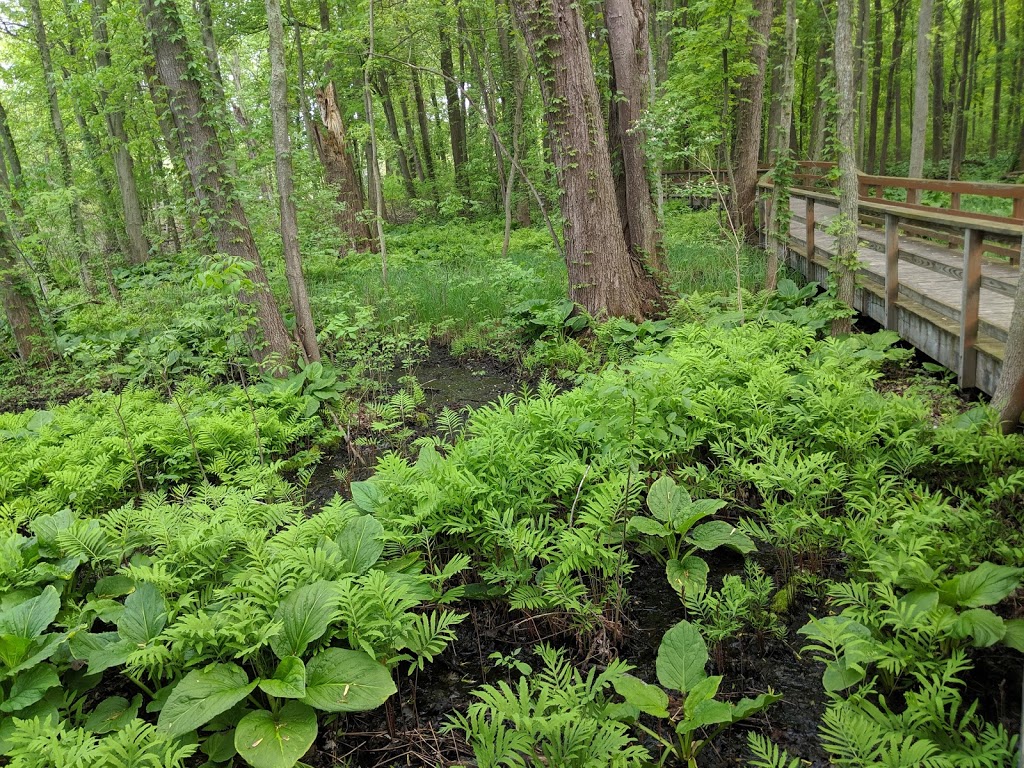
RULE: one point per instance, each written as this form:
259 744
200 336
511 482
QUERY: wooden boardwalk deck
913 276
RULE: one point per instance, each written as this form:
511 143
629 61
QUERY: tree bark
999 38
938 86
124 165
410 140
19 303
892 81
920 114
332 146
456 118
204 156
205 14
748 120
961 104
421 116
384 91
63 153
876 87
627 40
304 326
604 277
819 123
845 262
778 226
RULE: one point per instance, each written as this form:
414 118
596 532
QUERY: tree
921 75
605 277
778 225
748 120
1008 398
845 260
195 123
304 326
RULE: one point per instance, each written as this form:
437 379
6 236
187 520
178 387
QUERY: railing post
970 300
892 266
954 201
1018 207
809 236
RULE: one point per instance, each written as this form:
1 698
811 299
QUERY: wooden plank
970 301
892 275
809 245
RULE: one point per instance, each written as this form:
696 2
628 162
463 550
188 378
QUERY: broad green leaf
12 650
46 709
360 543
340 680
920 601
708 712
744 708
101 650
30 686
703 691
646 526
276 740
980 624
428 459
1014 635
220 746
289 680
114 586
30 618
689 575
840 675
144 616
682 657
985 585
719 533
201 695
39 649
113 714
646 697
663 497
365 495
304 614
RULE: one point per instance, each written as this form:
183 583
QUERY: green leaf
985 585
689 575
708 712
202 695
39 649
980 624
719 533
365 495
646 697
340 680
920 601
276 740
30 686
682 657
360 543
144 616
663 497
304 614
703 691
1014 635
840 675
744 708
113 714
646 526
114 586
220 746
289 681
101 650
31 617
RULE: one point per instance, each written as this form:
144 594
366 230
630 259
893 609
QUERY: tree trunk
999 38
456 118
778 226
960 107
10 151
204 157
938 86
124 165
63 153
892 82
332 145
20 307
845 261
205 14
748 120
604 277
877 43
304 326
421 116
490 115
627 39
1009 395
920 115
410 140
300 68
384 91
819 122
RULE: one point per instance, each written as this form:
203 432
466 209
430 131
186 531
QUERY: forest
511 383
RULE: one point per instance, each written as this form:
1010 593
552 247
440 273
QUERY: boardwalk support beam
892 267
970 301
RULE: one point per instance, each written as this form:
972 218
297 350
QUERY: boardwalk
927 287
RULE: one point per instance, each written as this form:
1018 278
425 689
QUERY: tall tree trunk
63 153
604 277
1009 395
410 140
961 105
124 165
384 91
19 303
205 14
920 115
877 41
861 77
748 120
373 180
300 82
490 115
892 81
332 146
456 118
819 123
999 38
778 226
845 261
421 116
204 156
304 326
938 86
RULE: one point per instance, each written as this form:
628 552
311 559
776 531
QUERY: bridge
940 260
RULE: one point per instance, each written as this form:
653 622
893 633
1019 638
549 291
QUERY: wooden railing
974 235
